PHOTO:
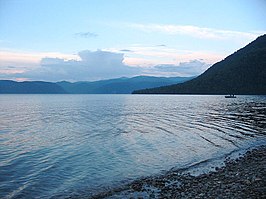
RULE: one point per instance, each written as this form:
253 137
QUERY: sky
87 40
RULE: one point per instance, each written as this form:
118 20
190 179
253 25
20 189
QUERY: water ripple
63 145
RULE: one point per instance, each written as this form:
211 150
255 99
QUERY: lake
64 145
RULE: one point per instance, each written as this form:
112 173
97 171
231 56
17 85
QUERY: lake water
66 145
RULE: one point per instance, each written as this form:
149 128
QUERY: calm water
63 145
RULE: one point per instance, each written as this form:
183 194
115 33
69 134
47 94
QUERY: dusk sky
85 40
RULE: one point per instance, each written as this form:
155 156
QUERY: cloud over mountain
95 65
92 65
190 68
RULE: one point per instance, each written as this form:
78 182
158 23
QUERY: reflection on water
62 145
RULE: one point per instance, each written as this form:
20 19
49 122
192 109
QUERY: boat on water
230 96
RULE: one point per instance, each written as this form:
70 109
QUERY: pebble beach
243 177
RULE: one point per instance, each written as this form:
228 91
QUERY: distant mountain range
113 86
243 72
35 87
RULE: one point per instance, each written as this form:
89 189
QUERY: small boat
230 96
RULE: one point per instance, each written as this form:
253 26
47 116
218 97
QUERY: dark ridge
242 73
121 85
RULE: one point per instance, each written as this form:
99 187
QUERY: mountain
27 87
120 85
243 72
113 86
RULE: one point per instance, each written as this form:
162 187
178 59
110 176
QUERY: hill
243 72
120 85
112 86
28 87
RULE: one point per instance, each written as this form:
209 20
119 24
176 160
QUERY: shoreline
243 177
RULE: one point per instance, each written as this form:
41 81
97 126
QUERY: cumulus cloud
103 64
93 65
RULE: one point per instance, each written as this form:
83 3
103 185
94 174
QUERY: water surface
63 145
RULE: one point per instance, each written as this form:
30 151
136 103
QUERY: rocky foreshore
240 178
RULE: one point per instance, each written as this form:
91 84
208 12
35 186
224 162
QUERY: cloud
93 65
198 32
161 45
148 56
105 64
9 70
190 68
126 50
29 59
86 34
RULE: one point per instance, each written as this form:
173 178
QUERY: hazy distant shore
240 178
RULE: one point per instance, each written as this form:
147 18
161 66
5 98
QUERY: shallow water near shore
80 145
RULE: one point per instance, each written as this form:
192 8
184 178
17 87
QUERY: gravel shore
244 177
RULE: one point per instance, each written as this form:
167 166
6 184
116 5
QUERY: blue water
79 145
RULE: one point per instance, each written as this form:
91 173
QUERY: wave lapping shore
243 177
